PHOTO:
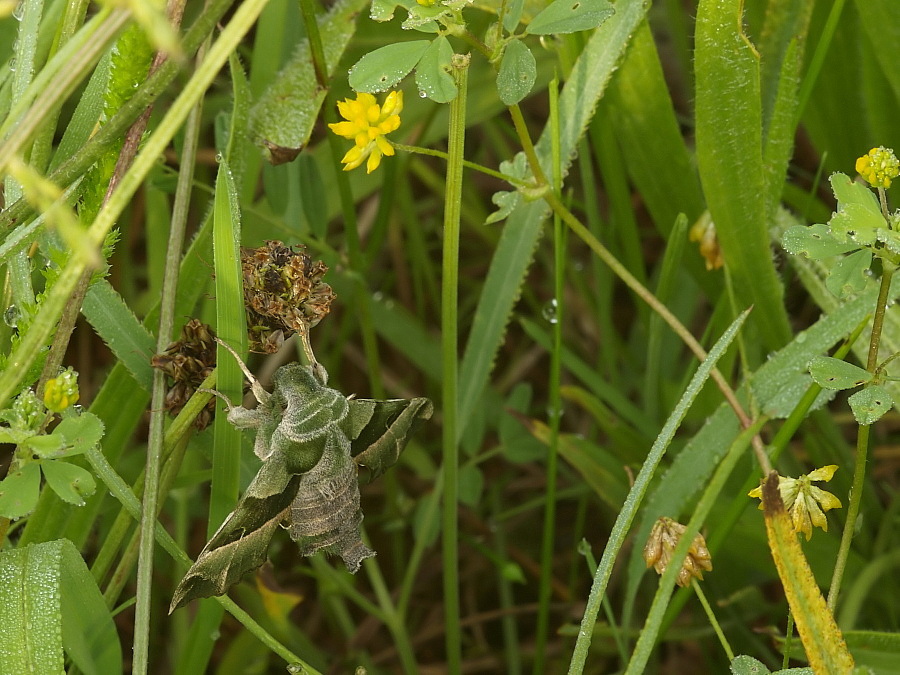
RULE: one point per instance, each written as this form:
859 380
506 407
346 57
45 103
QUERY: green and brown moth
311 439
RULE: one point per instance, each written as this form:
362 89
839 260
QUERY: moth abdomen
325 514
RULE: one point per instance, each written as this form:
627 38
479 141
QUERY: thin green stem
120 490
416 150
555 403
150 506
450 362
701 596
862 442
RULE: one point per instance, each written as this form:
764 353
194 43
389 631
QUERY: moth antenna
257 389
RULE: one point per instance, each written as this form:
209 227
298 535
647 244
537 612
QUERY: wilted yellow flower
366 125
806 503
878 166
61 391
704 231
661 544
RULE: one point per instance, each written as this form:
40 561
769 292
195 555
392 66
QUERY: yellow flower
704 232
62 391
427 3
878 166
366 125
661 544
806 503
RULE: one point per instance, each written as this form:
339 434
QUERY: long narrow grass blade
639 490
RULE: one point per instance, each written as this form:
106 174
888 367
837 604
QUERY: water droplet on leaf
549 311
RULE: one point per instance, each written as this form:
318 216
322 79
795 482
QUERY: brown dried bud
661 544
283 294
188 362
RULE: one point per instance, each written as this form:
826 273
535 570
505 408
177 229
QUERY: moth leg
257 389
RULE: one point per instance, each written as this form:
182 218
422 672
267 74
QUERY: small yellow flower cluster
62 391
704 232
366 125
661 545
806 503
878 166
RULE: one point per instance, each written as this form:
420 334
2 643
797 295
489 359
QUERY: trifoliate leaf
833 373
870 403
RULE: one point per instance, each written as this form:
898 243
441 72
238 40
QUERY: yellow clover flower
878 167
62 391
806 503
366 125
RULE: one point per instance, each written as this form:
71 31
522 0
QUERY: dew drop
12 65
423 93
11 316
549 311
218 158
19 11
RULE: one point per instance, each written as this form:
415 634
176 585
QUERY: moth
311 439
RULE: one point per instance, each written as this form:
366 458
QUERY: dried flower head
61 391
283 293
878 167
661 545
806 503
188 362
704 232
366 125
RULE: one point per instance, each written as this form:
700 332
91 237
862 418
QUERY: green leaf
747 665
432 73
816 241
283 118
88 632
383 10
833 373
513 14
46 445
849 274
849 192
793 386
518 71
890 239
19 493
49 602
870 403
70 482
729 158
30 612
117 326
385 67
81 433
857 222
570 16
471 484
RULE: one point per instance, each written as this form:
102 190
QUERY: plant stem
416 150
554 403
862 441
450 362
150 505
701 596
120 490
